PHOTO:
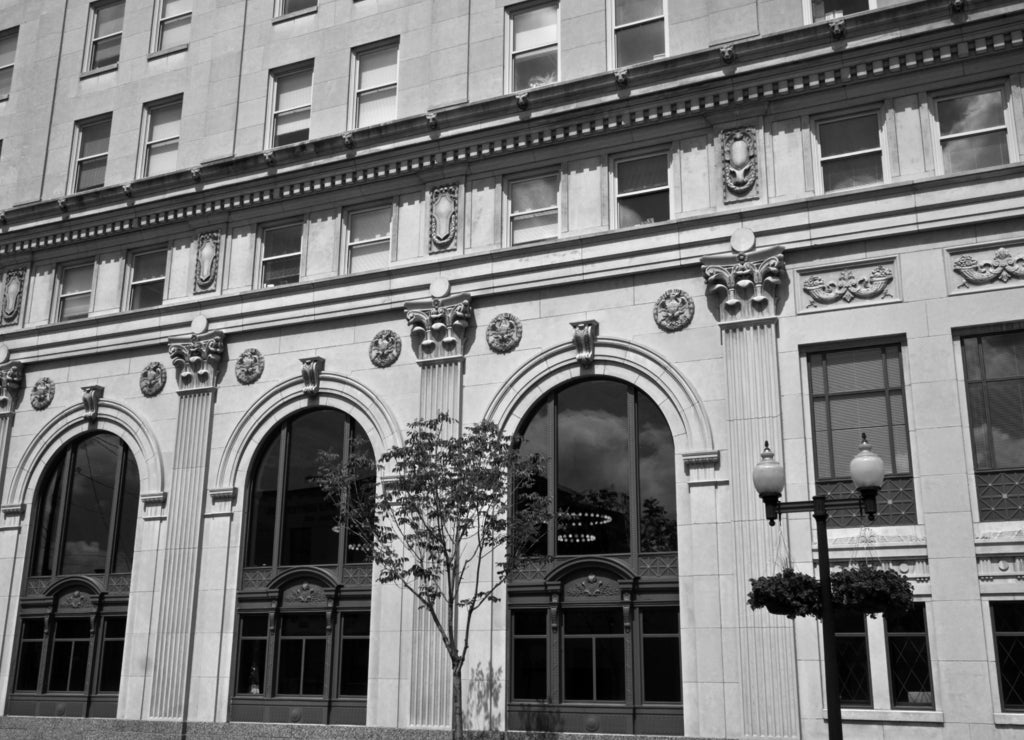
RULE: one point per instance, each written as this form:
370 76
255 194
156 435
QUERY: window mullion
552 462
634 476
828 416
282 477
91 664
346 436
115 508
63 503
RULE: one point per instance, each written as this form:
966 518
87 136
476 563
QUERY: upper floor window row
8 45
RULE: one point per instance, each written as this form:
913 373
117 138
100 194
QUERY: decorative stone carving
14 290
445 320
432 121
584 336
1002 266
673 310
42 393
197 358
590 587
119 584
504 333
207 258
249 366
744 276
74 600
523 100
848 284
305 593
91 395
739 162
444 217
727 53
385 347
12 378
621 77
311 369
152 379
837 28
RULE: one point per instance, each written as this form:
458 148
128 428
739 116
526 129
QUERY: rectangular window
75 297
93 144
252 654
854 392
639 31
147 281
8 45
354 661
662 668
852 655
827 9
1008 632
173 25
282 255
972 131
369 239
642 190
105 21
534 46
994 369
69 655
910 674
301 654
376 88
533 209
163 131
529 654
851 153
30 655
292 95
111 654
594 655
286 7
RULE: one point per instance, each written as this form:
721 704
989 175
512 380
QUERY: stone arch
111 417
613 358
287 398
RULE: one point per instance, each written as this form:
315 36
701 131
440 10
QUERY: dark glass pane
308 534
830 8
304 625
972 358
662 670
363 496
260 548
124 547
630 11
289 667
848 135
971 113
6 75
640 43
661 621
313 667
852 172
294 6
592 621
30 655
46 545
535 68
635 175
536 439
610 669
69 655
87 526
356 624
283 240
649 208
301 654
529 668
106 52
1006 421
529 622
147 295
90 175
1004 355
657 478
593 469
579 669
95 138
283 271
113 654
1008 616
852 654
254 625
975 151
252 654
909 670
355 666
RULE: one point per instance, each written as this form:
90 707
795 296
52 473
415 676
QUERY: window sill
293 16
1006 718
912 716
98 71
160 53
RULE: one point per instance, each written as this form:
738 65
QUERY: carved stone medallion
674 310
152 379
504 333
42 393
207 257
14 289
305 593
249 366
444 217
739 162
385 347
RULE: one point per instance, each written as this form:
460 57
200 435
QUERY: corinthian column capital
745 279
197 359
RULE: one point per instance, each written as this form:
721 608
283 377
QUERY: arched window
75 601
303 632
594 628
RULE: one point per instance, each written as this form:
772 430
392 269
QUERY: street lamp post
867 472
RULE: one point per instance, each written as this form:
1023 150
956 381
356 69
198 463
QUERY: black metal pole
828 624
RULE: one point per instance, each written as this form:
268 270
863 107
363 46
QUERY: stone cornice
767 68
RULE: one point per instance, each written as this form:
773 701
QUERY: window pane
829 8
282 241
377 67
149 266
8 44
87 527
370 225
355 665
975 152
164 121
176 7
30 655
971 113
533 28
264 501
643 209
640 43
124 545
592 621
579 669
656 478
77 279
293 126
1008 623
535 68
642 174
293 89
294 6
848 135
530 666
1006 422
313 667
281 272
536 194
628 11
909 671
106 52
74 307
610 669
113 653
370 257
593 469
109 19
533 227
175 32
852 654
376 107
252 660
1004 355
163 158
6 75
852 172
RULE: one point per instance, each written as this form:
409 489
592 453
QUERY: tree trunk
457 729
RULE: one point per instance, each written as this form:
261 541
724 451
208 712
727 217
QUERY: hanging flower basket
869 590
788 593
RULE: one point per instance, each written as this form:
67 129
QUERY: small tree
451 502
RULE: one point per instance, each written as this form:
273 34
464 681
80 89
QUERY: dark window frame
920 636
94 41
999 638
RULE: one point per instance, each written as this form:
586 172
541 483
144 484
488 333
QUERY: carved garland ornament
674 310
848 287
385 347
504 333
444 217
14 288
591 587
249 366
42 393
12 377
207 257
739 161
152 379
1002 267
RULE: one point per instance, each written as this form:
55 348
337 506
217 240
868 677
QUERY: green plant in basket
871 590
788 593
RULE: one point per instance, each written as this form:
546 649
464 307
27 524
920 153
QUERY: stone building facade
647 236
